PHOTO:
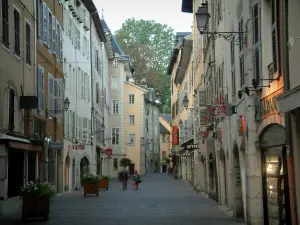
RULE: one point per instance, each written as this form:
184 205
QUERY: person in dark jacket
124 179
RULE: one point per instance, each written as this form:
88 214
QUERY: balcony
34 128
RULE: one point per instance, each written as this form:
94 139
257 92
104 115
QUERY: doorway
131 169
15 172
164 168
67 173
31 165
238 198
84 166
73 175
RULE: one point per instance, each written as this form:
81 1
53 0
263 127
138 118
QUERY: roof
93 10
187 6
108 45
163 129
182 34
116 46
142 89
172 60
167 117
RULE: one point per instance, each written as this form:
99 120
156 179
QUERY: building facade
134 113
244 162
165 130
20 143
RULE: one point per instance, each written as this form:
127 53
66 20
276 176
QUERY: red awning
23 146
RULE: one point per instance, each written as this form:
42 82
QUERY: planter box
35 207
91 188
103 184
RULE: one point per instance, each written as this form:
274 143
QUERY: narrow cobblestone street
161 200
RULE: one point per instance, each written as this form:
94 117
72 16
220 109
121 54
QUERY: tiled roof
167 117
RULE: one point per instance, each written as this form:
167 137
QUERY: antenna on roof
102 14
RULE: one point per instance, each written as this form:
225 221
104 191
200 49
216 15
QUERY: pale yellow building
165 142
134 119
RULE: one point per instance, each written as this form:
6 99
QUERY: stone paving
161 200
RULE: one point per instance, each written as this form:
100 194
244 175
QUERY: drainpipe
291 215
92 89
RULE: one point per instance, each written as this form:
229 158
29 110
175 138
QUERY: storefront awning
13 138
23 146
289 100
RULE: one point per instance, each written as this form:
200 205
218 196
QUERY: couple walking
136 179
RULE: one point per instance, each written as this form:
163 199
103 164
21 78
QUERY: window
114 82
5 25
131 139
11 120
58 96
28 58
53 33
232 48
256 18
115 136
40 88
241 51
163 154
17 32
45 23
50 94
70 28
97 93
115 106
131 99
275 43
115 63
115 164
50 30
131 120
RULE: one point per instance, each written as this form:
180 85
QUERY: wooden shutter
203 114
40 19
40 88
57 33
51 107
53 35
275 46
242 55
60 44
202 97
58 97
45 22
256 15
49 35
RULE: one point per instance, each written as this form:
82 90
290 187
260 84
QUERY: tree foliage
125 162
149 45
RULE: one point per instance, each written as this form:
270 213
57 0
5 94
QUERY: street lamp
202 18
66 107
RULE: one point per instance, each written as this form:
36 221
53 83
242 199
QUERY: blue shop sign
56 145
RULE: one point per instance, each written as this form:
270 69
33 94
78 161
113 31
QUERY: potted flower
90 184
36 199
104 182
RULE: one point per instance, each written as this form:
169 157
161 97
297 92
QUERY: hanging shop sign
269 105
175 135
192 147
203 134
220 110
108 151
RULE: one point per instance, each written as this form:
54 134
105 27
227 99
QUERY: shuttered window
45 23
242 55
53 37
275 45
51 107
28 43
17 32
232 55
5 23
40 88
256 15
58 97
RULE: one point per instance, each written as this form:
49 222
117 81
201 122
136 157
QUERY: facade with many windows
19 140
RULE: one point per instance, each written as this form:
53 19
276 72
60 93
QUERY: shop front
19 164
274 174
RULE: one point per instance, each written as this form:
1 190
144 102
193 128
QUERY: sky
163 11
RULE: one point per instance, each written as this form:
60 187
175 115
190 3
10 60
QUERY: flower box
104 183
90 184
36 200
91 188
35 207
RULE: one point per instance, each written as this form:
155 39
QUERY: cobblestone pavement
161 200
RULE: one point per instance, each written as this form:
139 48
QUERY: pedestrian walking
124 179
136 180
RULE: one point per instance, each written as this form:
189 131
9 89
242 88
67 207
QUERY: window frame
19 41
6 45
134 139
117 140
131 116
28 48
130 100
115 111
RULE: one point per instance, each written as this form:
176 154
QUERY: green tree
125 162
149 45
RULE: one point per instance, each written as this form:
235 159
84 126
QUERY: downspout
102 88
289 183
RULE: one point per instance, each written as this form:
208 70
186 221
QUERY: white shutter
61 45
78 82
53 35
40 88
66 126
77 127
45 22
82 85
58 97
49 28
203 114
57 39
51 107
41 19
202 97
